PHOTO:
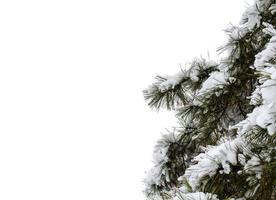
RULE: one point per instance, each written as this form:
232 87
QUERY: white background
73 121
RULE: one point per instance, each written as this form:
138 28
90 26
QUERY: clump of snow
273 8
172 81
235 32
216 80
256 96
251 18
268 90
273 75
269 106
196 196
238 198
215 157
269 52
191 73
196 66
263 115
253 165
154 176
269 29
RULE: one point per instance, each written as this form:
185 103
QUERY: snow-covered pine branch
176 90
227 111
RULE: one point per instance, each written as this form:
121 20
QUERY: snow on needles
196 196
265 114
215 157
154 176
191 73
237 150
269 52
172 81
216 79
251 18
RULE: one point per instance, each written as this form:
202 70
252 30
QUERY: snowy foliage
215 157
191 73
225 147
265 114
251 18
216 80
196 196
172 81
159 172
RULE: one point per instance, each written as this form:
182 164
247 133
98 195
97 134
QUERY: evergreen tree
225 144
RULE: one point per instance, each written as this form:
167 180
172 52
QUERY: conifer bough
225 145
